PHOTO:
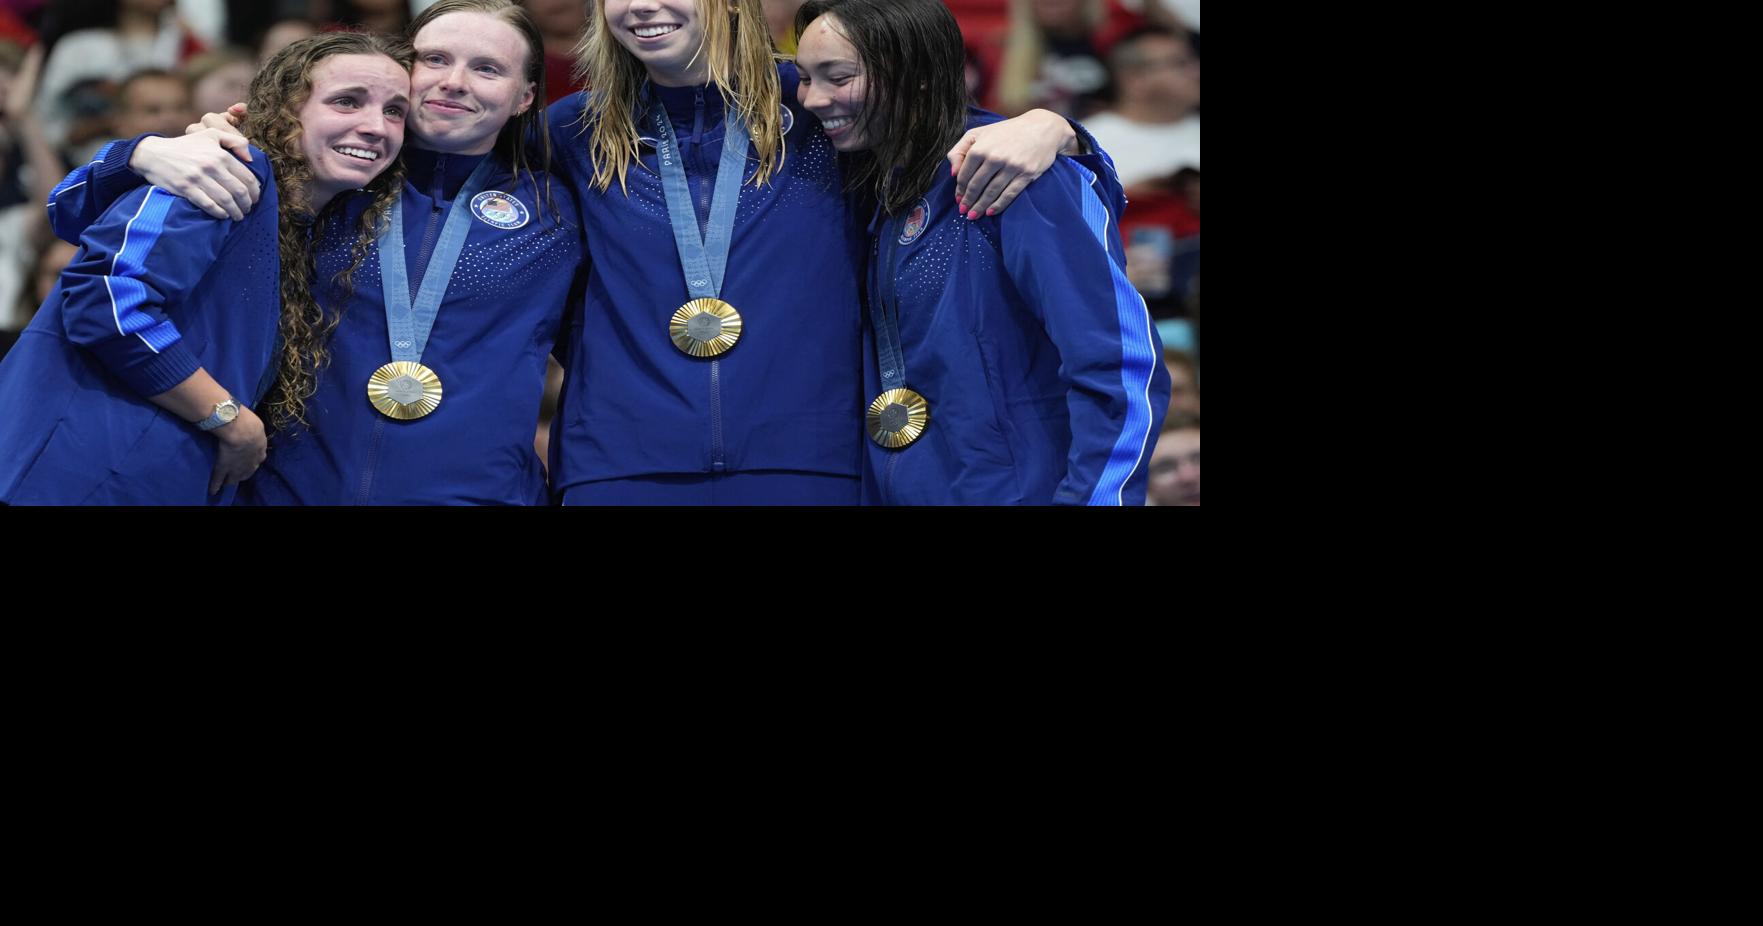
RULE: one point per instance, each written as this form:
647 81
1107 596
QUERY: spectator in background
279 36
51 261
1153 130
153 101
1183 12
219 79
1175 464
29 168
561 23
386 17
1051 58
89 106
1153 134
107 41
12 188
1184 382
780 16
14 29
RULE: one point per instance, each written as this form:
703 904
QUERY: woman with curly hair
138 380
437 367
658 408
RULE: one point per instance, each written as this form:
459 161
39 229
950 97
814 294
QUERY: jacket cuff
111 178
152 374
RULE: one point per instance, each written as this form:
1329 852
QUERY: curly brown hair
272 123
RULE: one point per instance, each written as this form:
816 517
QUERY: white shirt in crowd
1144 152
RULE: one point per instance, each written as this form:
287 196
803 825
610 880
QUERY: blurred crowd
75 74
1130 72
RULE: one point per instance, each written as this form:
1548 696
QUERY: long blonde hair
1026 45
742 65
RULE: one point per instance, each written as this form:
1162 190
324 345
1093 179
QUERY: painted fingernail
991 212
974 214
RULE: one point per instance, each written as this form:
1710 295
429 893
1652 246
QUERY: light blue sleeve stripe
80 174
127 292
1137 357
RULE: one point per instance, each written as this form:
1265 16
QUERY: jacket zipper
703 184
429 234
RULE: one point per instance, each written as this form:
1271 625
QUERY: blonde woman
719 353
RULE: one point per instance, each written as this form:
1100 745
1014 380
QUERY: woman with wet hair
1009 360
718 359
142 377
661 405
438 365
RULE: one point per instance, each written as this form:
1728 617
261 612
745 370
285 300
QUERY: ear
526 100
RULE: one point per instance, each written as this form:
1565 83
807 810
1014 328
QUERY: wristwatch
224 413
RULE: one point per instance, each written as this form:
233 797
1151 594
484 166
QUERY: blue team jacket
157 290
788 396
1041 365
501 316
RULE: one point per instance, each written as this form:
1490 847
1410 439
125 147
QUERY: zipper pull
439 186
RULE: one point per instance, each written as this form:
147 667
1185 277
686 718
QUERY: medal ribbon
408 326
889 356
702 258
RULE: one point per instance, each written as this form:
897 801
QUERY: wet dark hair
915 91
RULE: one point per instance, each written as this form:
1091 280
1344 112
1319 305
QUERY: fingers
238 145
970 164
239 192
204 201
232 472
958 157
982 179
994 188
987 205
212 194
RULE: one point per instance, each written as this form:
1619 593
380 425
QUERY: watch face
227 411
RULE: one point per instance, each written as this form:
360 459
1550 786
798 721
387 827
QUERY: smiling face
667 36
469 80
352 125
833 85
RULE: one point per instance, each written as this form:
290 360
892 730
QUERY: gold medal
705 327
897 417
404 390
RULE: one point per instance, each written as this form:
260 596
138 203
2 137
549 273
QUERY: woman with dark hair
653 413
718 358
137 380
439 363
1012 362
